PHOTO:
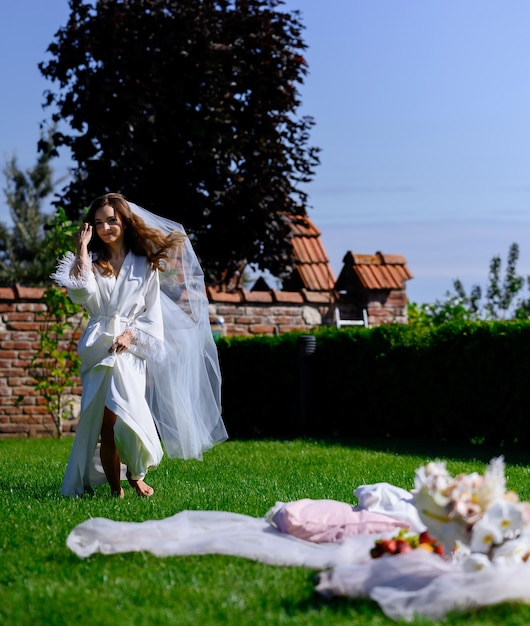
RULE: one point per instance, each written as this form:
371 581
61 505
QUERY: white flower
507 515
503 520
464 503
512 551
476 562
434 514
434 476
431 504
484 536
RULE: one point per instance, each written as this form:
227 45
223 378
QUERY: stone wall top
19 292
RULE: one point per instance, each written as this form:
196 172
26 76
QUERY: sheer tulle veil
184 384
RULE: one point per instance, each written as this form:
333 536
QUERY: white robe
117 381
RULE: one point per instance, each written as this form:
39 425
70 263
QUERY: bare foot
141 488
118 494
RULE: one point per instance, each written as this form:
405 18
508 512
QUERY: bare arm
82 259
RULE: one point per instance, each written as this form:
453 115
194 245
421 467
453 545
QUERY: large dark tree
189 108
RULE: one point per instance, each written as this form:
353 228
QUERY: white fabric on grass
418 583
212 532
405 586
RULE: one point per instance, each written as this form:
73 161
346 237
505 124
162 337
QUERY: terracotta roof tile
319 297
29 293
7 293
312 262
257 296
19 292
215 295
374 271
292 297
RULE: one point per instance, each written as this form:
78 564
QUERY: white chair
342 322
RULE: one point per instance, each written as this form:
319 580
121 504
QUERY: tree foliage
23 255
55 366
504 298
190 109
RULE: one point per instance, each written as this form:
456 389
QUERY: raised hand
85 235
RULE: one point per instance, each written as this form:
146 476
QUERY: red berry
391 545
402 546
426 538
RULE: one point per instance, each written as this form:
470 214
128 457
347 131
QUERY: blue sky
422 112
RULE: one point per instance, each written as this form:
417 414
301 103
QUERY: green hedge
463 382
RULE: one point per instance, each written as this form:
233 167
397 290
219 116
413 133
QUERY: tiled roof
374 271
313 273
243 296
312 262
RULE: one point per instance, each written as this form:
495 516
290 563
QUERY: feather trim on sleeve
62 275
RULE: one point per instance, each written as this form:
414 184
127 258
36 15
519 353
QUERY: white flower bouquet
474 516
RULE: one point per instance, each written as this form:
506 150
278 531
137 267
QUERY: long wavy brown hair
139 238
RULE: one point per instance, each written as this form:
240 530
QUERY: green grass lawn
43 582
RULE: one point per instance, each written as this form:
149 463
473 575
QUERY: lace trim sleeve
147 346
63 273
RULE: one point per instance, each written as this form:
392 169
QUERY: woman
147 353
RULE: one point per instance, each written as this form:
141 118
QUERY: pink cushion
330 520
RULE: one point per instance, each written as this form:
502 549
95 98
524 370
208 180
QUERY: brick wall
22 411
247 313
387 306
273 312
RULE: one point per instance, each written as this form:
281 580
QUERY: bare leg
142 488
110 458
